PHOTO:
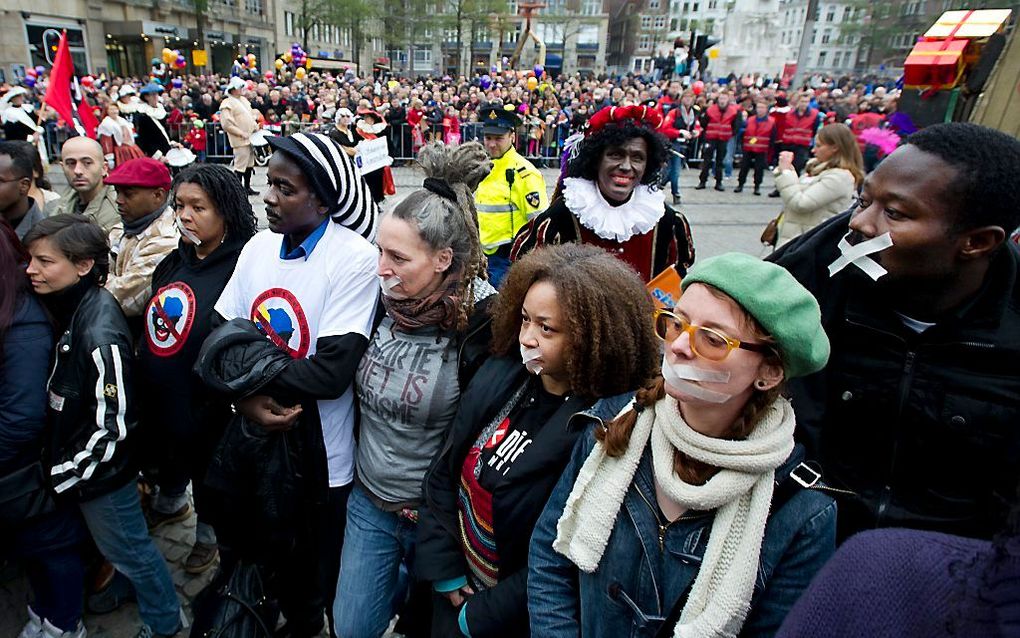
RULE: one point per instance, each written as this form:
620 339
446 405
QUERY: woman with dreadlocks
432 336
609 197
215 221
571 334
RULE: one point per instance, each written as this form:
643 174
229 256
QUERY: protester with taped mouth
689 508
578 318
433 335
92 414
182 428
308 284
917 412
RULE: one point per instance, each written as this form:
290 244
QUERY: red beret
144 172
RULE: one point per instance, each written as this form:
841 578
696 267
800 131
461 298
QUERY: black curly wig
590 150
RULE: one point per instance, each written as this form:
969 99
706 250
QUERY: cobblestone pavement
720 221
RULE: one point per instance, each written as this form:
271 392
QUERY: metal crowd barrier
543 150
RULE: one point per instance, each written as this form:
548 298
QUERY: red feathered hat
639 115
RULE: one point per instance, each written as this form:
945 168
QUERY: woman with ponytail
433 335
687 514
570 336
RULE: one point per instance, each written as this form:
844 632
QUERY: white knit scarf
741 494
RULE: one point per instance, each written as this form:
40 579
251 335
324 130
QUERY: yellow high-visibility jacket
505 205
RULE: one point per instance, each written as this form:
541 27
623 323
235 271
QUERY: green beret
777 301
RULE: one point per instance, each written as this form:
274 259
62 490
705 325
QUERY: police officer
513 192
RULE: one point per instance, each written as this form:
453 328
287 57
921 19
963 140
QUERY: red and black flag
64 93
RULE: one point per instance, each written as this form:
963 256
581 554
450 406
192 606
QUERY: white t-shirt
334 292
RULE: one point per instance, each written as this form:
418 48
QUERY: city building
122 36
835 43
574 33
747 31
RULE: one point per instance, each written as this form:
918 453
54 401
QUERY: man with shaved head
82 161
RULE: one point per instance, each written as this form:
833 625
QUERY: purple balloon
523 108
40 70
177 83
29 82
485 81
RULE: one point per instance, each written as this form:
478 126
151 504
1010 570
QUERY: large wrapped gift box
970 24
936 63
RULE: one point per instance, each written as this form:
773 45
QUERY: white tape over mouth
528 356
857 254
192 237
676 380
688 372
387 284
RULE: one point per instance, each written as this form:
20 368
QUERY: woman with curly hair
679 517
571 343
215 220
609 197
433 335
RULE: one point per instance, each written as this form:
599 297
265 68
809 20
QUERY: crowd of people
466 411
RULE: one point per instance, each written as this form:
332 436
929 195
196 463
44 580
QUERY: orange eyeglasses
706 343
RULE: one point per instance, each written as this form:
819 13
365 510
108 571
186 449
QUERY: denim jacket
644 572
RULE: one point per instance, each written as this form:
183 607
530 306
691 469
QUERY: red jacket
196 139
673 123
800 129
758 134
720 123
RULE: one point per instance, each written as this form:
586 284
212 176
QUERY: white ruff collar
617 223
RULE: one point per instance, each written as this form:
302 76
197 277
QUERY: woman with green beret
691 514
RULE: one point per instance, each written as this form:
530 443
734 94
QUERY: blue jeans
118 528
731 146
375 568
675 167
497 269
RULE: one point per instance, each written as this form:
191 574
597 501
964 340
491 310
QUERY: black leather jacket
91 400
924 427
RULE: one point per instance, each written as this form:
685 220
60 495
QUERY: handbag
770 235
234 605
24 494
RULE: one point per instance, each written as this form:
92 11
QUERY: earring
760 384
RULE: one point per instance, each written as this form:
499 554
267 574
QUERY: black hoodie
185 289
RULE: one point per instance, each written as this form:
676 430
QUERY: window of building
645 42
846 14
646 22
255 6
588 34
687 7
660 22
712 4
511 7
821 58
653 4
694 7
831 15
288 22
825 36
591 7
673 24
683 24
